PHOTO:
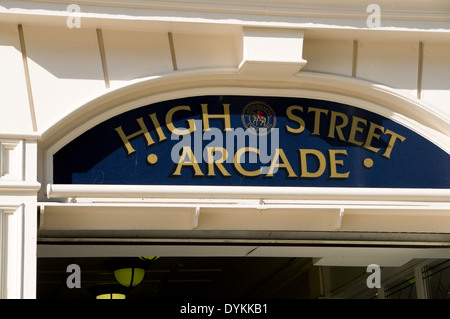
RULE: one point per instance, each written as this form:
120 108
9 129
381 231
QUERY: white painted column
18 218
11 266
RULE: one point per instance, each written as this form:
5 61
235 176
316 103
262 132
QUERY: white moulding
232 192
11 160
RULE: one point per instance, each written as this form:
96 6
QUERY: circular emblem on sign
258 117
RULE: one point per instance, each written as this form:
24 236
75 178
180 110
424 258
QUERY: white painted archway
411 112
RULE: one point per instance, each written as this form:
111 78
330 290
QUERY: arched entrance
369 221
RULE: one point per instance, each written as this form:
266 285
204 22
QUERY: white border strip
280 193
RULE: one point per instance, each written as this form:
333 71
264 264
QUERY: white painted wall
392 63
133 55
15 116
67 71
201 51
328 55
436 75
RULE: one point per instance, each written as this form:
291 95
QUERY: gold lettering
296 119
334 163
279 153
126 138
187 151
371 134
225 116
317 112
170 125
392 140
237 161
304 165
337 128
211 161
355 128
158 128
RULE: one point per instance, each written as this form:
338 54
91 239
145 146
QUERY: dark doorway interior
192 277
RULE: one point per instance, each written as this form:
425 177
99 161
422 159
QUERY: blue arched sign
252 141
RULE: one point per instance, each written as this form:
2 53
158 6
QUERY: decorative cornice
348 14
346 9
